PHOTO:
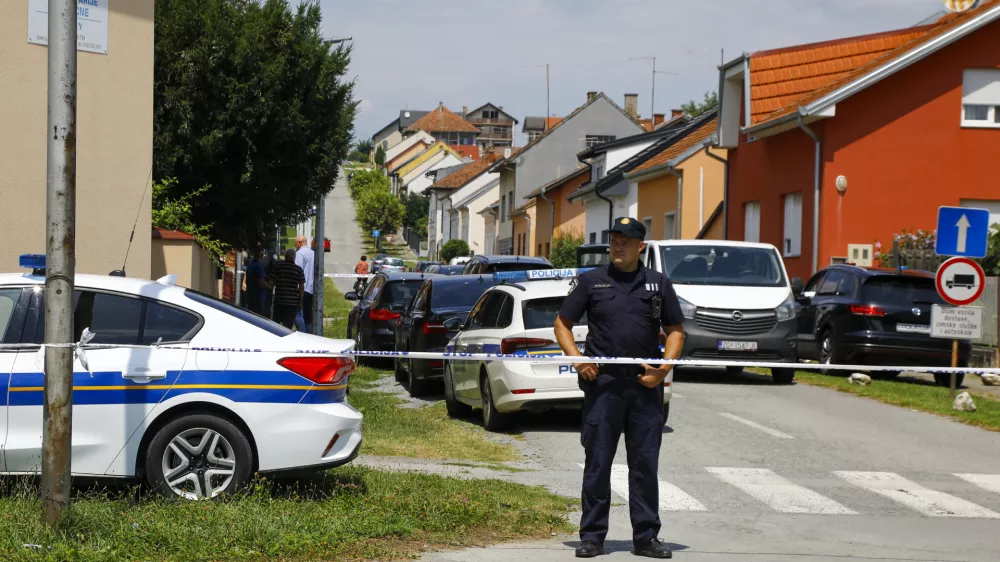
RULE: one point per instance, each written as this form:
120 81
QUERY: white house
421 182
468 186
466 204
491 219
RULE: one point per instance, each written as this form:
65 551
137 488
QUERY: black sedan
445 269
372 321
493 264
432 319
866 316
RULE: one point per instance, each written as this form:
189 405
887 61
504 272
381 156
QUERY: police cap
629 227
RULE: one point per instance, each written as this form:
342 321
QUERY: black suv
372 321
439 308
493 264
866 316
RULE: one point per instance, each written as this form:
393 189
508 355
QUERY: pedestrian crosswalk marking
779 493
989 482
672 498
931 503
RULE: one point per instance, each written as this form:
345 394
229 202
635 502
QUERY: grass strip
350 513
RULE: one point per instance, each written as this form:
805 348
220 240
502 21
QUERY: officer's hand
653 376
586 370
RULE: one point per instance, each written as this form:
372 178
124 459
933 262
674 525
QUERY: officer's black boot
653 549
589 549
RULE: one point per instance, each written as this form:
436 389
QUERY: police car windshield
722 265
542 313
240 313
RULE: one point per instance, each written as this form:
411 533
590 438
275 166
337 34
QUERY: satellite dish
960 5
407 115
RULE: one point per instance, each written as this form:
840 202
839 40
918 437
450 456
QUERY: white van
737 300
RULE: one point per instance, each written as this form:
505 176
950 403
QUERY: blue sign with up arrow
962 231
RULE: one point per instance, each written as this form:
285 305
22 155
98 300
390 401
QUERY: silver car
392 264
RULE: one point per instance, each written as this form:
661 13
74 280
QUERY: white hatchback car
516 318
226 394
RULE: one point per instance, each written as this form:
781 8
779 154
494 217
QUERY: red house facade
843 143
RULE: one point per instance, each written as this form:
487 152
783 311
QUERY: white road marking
989 482
675 395
778 493
755 425
672 498
931 503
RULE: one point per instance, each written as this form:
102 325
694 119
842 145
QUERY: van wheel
492 419
198 457
455 408
782 376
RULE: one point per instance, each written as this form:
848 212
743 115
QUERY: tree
454 248
380 156
252 114
416 209
991 263
694 109
367 180
365 146
564 248
379 210
175 214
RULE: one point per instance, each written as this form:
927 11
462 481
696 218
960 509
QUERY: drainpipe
725 190
680 192
552 217
816 179
611 209
527 233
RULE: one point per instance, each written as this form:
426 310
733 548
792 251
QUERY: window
981 97
593 238
648 223
813 285
605 237
460 294
669 226
487 313
792 245
421 298
548 249
167 324
239 313
542 313
532 135
506 315
8 298
490 114
594 140
598 172
510 205
722 265
503 207
113 319
833 284
751 221
400 292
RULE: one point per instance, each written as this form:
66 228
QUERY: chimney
632 105
440 105
658 118
591 95
675 113
465 111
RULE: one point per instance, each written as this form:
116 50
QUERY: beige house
114 140
178 253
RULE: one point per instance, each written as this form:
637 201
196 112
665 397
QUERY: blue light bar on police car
32 261
536 274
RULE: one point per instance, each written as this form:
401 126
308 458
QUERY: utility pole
545 127
60 257
652 95
319 283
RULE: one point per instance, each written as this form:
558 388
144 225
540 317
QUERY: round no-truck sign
960 281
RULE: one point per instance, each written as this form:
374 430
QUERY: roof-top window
981 98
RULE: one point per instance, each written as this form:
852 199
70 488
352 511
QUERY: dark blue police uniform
625 312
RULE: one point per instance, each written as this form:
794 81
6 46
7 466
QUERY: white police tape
365 275
567 360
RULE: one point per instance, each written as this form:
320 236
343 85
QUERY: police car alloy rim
199 463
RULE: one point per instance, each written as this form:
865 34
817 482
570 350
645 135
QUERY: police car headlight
786 310
687 309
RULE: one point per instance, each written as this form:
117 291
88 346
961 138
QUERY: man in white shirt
304 258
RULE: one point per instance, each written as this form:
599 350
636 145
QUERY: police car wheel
492 419
455 408
782 376
198 456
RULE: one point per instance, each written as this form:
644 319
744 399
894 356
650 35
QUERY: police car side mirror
351 296
452 324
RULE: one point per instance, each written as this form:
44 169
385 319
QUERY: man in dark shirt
257 283
289 288
627 305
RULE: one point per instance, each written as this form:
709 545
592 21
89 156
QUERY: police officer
626 305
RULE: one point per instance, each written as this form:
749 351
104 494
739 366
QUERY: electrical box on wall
861 254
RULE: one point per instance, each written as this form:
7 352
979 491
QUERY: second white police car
225 394
517 317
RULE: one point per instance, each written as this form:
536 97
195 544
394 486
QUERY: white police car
225 395
517 318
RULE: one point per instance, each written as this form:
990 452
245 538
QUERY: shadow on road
625 546
708 375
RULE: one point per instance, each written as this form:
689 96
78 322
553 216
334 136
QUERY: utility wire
137 213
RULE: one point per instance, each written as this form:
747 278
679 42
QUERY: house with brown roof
554 213
496 126
446 126
835 145
456 198
535 127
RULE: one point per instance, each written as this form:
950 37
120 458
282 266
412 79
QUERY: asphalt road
342 230
755 472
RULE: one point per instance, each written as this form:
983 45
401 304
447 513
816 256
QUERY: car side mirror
351 296
452 324
797 286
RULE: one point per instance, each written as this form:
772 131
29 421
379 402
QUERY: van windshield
723 265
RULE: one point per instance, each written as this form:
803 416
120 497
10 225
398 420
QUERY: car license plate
737 345
913 328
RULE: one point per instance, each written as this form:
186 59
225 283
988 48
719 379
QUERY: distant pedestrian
305 258
257 283
289 288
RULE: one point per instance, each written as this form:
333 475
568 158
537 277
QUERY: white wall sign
91 24
957 323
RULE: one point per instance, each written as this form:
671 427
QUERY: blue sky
410 54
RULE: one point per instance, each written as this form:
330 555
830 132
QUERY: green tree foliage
694 109
454 248
379 210
250 101
991 263
364 146
564 248
175 214
368 180
380 156
416 209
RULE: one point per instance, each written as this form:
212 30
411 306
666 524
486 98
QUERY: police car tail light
320 370
510 345
383 314
867 310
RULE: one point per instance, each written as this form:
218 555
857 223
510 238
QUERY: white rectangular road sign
957 323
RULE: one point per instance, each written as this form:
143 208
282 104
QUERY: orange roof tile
463 176
694 138
783 80
552 122
442 120
164 234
